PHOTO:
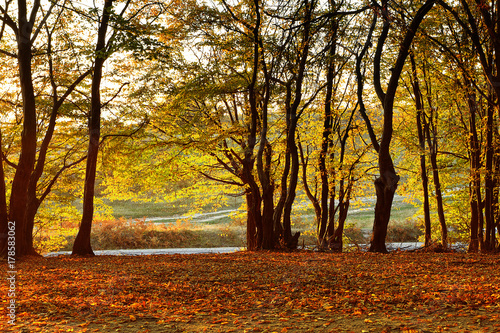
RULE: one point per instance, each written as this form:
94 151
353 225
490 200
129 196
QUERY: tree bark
82 244
293 116
386 184
489 239
326 140
421 140
432 142
475 183
20 183
4 217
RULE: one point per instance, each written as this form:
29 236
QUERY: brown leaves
267 291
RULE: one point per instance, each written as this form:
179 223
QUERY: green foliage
55 222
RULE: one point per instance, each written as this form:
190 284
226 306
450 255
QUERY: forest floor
257 292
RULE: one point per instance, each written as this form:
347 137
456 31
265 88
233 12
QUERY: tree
126 35
477 21
419 105
82 242
29 169
387 182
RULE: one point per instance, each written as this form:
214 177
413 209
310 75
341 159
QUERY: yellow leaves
132 318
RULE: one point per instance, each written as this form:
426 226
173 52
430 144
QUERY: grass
137 210
165 225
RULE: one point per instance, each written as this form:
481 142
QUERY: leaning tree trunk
82 242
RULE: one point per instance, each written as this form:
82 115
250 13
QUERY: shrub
139 234
407 231
355 235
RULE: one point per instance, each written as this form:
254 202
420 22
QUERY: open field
258 292
138 225
168 212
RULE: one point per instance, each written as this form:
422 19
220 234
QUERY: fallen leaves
266 291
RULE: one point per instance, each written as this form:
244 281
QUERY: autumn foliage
260 292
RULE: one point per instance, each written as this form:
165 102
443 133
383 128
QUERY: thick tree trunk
253 216
254 219
4 217
385 187
293 116
26 163
82 244
387 182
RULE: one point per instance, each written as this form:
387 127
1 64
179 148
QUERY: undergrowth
139 234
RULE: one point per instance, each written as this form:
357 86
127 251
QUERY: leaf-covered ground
259 292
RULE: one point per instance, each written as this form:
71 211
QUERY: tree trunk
312 197
278 210
293 116
385 187
253 216
326 141
421 140
82 242
433 150
335 242
268 237
292 185
4 217
386 184
264 154
19 193
489 240
475 183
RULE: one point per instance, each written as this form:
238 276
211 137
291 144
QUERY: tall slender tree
82 242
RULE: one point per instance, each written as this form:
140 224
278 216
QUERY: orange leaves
275 292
